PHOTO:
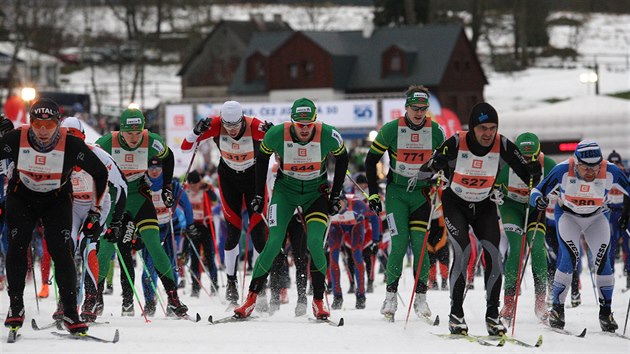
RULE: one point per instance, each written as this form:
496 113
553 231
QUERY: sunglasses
48 124
417 108
304 124
232 125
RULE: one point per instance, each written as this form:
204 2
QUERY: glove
266 126
374 247
92 225
114 232
6 125
375 203
535 171
541 203
202 126
167 196
439 162
257 204
334 205
193 232
623 221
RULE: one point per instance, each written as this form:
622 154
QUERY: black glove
167 196
257 204
202 126
114 232
92 225
266 126
623 221
541 203
375 203
535 171
374 246
6 125
439 162
334 205
192 232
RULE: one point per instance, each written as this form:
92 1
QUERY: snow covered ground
364 332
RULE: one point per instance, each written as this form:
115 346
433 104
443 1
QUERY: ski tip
210 319
116 336
581 335
539 342
437 321
341 322
197 318
34 324
501 342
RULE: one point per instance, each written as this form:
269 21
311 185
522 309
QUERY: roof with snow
26 54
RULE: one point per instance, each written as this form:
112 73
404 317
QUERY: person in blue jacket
583 182
164 215
615 204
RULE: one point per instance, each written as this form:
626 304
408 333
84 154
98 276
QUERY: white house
35 68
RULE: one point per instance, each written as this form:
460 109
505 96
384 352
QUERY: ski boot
494 326
444 284
248 307
389 305
127 309
73 324
457 324
576 299
88 310
15 317
556 316
337 302
231 290
175 306
360 304
58 314
149 307
300 308
318 309
420 305
606 320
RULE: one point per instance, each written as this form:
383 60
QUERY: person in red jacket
238 137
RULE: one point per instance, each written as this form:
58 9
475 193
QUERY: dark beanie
155 162
361 179
193 177
482 113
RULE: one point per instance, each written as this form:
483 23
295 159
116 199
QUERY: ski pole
192 246
475 265
124 267
433 202
625 326
30 249
151 282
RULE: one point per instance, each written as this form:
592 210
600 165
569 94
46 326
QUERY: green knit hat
528 144
303 110
131 120
417 97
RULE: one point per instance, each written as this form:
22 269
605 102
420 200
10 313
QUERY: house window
35 73
51 75
293 71
309 69
259 70
395 63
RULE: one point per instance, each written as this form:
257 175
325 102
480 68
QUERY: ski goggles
418 108
48 124
303 124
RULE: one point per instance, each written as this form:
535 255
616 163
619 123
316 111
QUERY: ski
473 339
613 334
13 334
55 324
430 322
87 337
569 333
333 323
229 319
194 319
513 340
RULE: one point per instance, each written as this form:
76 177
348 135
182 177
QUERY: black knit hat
482 113
614 157
361 179
45 108
193 177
